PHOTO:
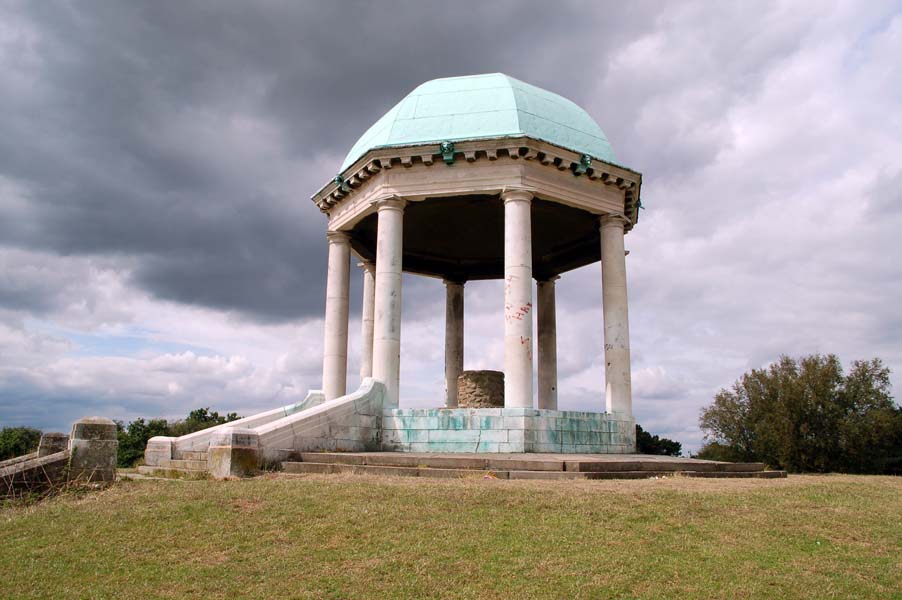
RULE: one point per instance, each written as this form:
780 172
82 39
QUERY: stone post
335 346
92 450
387 317
547 343
366 319
517 299
454 339
233 452
618 394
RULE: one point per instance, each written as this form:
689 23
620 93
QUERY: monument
483 177
466 178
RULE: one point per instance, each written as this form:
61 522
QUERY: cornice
439 156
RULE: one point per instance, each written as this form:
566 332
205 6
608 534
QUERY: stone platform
506 430
520 466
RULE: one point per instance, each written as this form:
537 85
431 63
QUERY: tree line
808 415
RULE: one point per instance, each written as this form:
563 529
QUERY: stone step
186 465
736 474
193 454
397 459
445 473
172 473
528 462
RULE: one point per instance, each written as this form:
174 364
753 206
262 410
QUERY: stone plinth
92 450
234 452
480 389
507 430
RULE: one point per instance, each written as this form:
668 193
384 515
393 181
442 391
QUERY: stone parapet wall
506 430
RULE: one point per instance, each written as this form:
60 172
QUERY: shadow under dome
461 238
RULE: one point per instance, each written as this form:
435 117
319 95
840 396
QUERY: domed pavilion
482 177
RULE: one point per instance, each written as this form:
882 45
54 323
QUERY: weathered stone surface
53 442
480 389
234 452
92 450
159 448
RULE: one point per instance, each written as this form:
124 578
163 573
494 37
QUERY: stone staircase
521 466
190 465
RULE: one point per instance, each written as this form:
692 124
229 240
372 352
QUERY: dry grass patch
360 536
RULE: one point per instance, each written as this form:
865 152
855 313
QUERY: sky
159 251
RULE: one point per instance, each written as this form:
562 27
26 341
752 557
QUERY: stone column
366 319
517 299
335 347
618 394
547 343
454 339
387 319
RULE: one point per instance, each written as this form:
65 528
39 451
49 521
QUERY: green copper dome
483 106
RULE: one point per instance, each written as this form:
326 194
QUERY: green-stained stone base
506 430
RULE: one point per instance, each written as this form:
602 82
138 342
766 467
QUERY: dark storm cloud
189 136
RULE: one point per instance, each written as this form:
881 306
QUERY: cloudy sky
159 251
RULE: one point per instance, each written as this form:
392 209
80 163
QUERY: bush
806 415
16 441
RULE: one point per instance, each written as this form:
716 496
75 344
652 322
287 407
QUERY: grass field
366 537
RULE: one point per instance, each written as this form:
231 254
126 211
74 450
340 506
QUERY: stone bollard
92 451
480 389
53 442
233 452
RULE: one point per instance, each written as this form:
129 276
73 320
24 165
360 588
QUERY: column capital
454 282
550 280
390 203
338 237
613 220
367 265
516 195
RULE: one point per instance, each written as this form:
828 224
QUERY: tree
133 439
16 441
200 418
647 443
134 436
807 415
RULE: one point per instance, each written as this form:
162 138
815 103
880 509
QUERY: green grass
366 537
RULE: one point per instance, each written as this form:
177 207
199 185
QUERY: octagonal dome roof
483 106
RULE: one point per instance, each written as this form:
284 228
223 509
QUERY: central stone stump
480 389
